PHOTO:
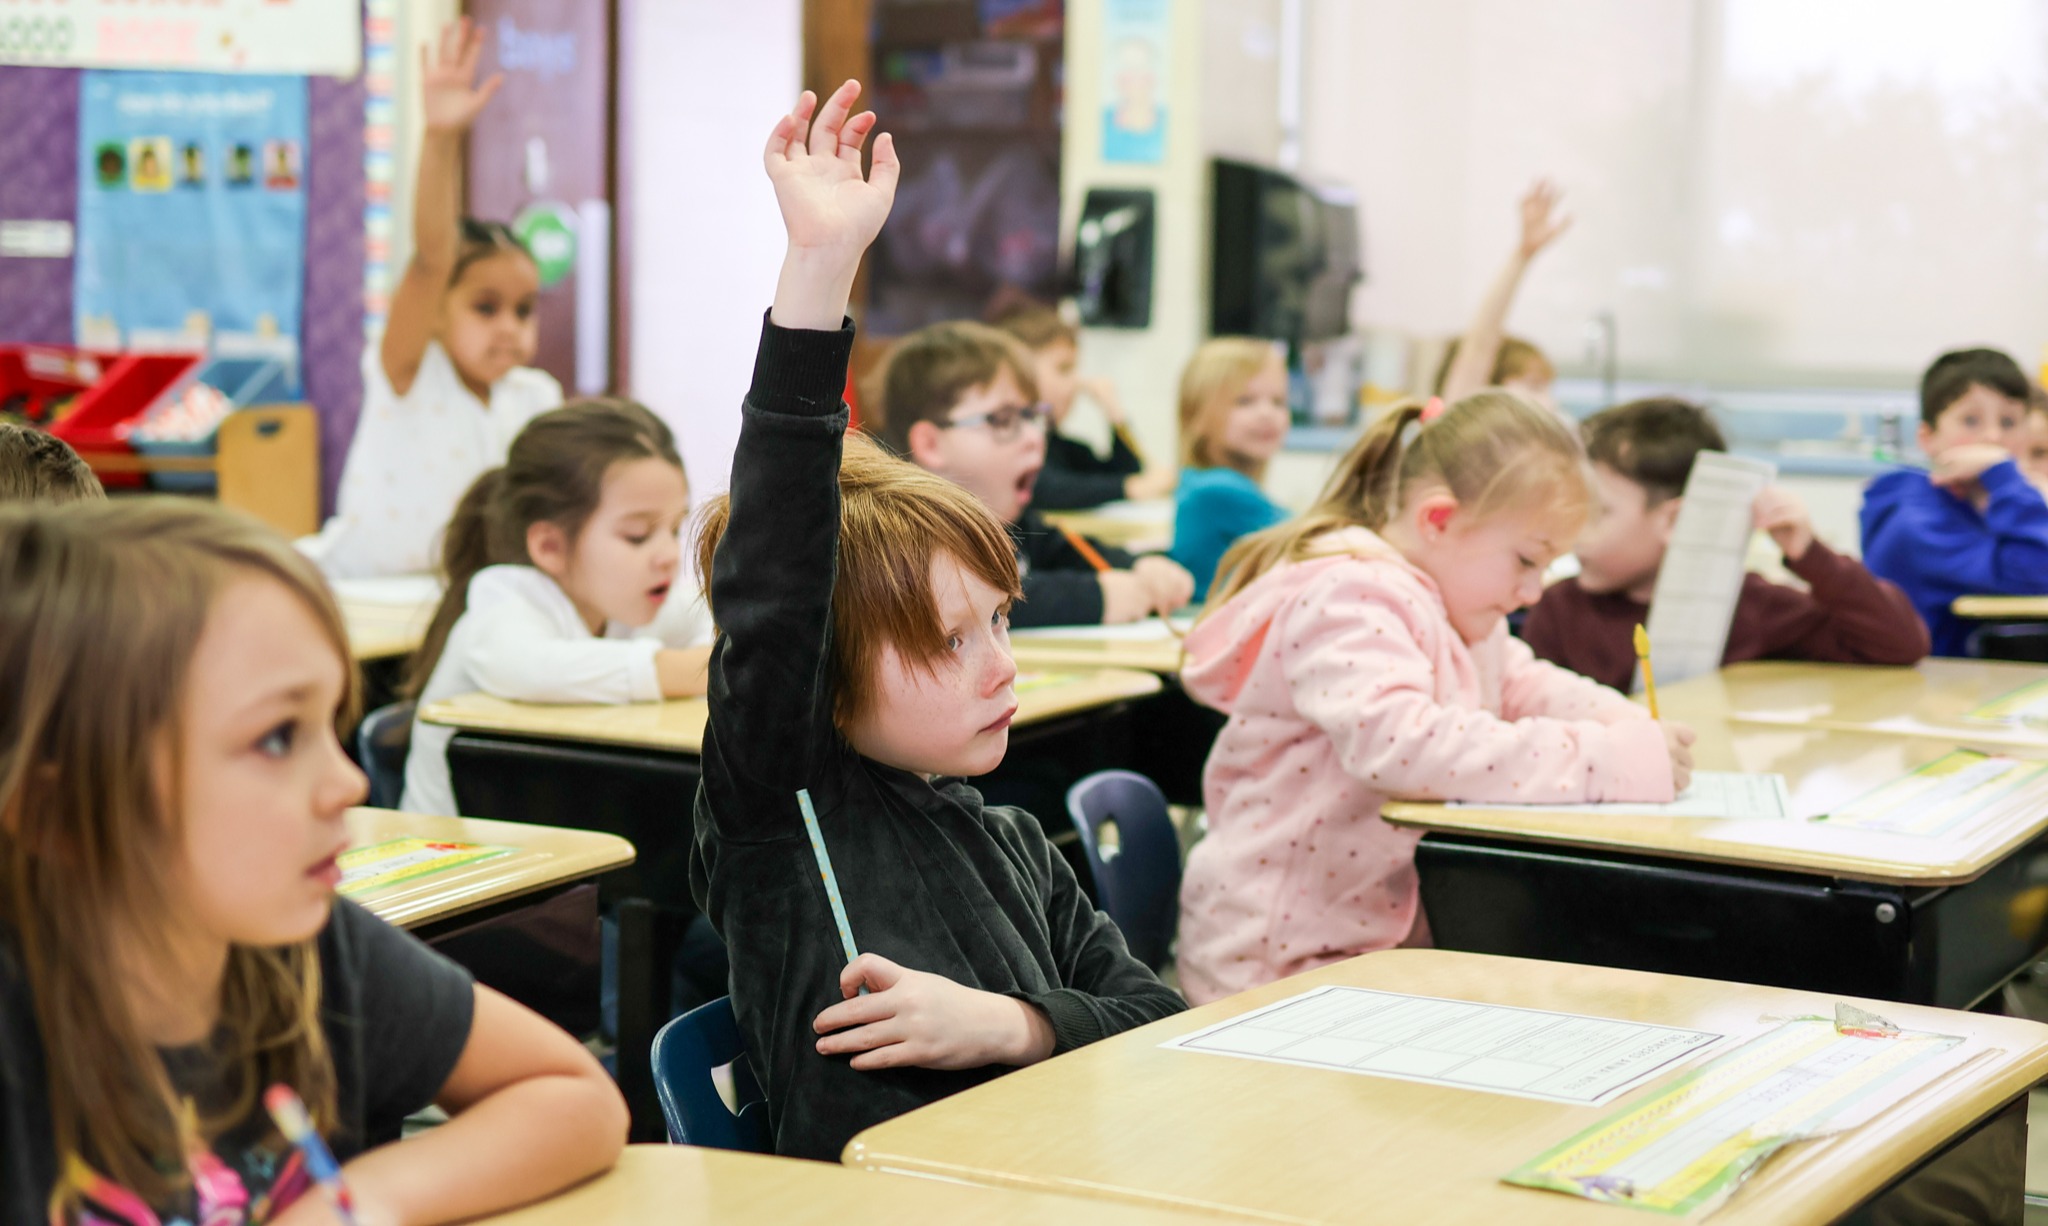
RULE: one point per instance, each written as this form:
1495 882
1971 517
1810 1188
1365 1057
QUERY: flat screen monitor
1285 255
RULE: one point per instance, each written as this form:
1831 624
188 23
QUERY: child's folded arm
2018 518
1355 671
516 653
1862 618
1104 990
771 582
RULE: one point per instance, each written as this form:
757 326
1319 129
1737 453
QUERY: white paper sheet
1694 602
1739 795
1526 1053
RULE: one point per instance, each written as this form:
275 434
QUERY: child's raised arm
771 578
1478 349
449 102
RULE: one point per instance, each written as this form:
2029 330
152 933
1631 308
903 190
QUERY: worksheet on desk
1735 795
1498 1049
1701 579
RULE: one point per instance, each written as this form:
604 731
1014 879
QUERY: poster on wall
191 213
316 37
1135 59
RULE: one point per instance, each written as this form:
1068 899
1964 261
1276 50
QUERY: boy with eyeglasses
961 400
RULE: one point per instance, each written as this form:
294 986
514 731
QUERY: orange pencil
1088 552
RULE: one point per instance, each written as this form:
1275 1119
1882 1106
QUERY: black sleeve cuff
801 371
1074 1023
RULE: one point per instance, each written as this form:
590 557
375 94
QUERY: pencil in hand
1649 674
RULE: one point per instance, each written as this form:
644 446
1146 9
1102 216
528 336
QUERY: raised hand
1541 222
829 209
915 1019
450 98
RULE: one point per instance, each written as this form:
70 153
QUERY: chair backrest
685 1052
1137 873
381 745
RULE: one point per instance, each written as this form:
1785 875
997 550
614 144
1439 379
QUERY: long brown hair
1493 450
553 473
100 606
894 518
1209 383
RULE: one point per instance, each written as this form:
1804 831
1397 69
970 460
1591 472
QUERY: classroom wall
39 179
1221 98
1767 192
708 81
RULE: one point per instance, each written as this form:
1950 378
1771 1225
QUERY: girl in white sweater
563 571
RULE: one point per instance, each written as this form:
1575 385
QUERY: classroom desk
678 726
1248 1138
524 923
632 770
1140 527
544 857
2001 608
1149 646
1927 700
379 631
715 1187
1941 921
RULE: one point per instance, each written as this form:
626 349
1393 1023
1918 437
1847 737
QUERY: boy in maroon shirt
1642 453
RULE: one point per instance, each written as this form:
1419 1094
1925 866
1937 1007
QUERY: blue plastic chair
382 742
1137 877
685 1052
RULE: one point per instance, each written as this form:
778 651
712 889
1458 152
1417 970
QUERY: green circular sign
549 232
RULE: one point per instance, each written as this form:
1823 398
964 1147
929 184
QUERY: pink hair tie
1434 409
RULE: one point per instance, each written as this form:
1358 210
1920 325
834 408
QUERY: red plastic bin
127 384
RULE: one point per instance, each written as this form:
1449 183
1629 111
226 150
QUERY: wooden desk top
2017 608
715 1187
1823 768
1141 1123
1928 700
381 631
1162 655
545 856
677 726
1136 526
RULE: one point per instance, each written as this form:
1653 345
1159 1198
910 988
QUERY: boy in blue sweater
1974 524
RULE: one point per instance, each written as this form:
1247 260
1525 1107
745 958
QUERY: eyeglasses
1004 423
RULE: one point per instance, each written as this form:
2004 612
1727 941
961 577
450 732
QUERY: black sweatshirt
1075 478
1060 587
930 878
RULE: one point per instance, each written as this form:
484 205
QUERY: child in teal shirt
1233 417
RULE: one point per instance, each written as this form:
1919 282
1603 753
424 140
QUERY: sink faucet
1601 344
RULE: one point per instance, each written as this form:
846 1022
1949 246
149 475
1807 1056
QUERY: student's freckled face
1487 570
491 323
1979 415
1624 540
955 718
262 781
627 552
999 471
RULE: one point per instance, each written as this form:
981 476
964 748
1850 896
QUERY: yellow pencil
1649 677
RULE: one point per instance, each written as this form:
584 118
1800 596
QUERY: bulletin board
321 37
191 212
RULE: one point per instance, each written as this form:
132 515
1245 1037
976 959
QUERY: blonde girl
448 385
171 813
1362 655
1233 418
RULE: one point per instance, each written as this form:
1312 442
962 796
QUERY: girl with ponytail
1362 654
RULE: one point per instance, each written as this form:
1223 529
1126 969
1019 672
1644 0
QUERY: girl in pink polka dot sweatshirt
1362 655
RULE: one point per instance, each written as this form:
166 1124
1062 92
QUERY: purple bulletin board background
39 148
